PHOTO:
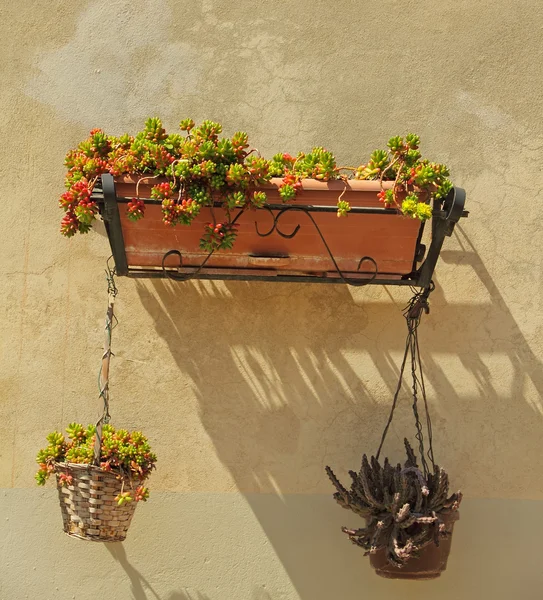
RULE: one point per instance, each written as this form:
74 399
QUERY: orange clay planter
278 242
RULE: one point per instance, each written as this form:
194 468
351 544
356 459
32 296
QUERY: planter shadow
140 587
280 396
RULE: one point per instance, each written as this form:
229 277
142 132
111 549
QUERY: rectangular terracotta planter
391 239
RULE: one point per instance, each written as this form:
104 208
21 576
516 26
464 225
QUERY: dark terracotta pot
430 563
390 239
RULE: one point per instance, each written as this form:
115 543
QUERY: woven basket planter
89 509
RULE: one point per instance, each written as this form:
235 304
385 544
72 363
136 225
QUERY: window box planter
215 208
301 240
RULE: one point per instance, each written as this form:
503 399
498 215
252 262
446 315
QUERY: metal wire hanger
413 314
103 376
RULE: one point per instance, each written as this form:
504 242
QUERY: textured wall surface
247 390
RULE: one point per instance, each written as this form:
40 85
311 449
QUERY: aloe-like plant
403 509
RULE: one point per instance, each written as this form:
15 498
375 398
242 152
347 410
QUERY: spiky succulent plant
126 454
403 509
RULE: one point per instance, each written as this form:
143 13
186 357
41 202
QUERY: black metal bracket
112 221
445 215
443 225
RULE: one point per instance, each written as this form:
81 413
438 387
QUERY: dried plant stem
142 179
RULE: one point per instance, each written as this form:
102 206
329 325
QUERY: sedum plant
318 164
196 166
403 509
416 180
128 455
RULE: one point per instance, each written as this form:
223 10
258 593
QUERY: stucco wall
247 390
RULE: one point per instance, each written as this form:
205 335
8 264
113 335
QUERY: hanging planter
97 502
409 516
100 471
197 205
409 513
430 560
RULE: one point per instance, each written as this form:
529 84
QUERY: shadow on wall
285 376
139 586
285 379
142 590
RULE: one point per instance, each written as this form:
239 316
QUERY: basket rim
94 470
89 468
81 466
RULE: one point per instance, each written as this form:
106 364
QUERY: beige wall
248 390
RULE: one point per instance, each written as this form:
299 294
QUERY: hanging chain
413 314
103 376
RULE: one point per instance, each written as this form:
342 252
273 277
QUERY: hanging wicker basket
88 505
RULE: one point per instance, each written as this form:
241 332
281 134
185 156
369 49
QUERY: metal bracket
446 214
442 226
112 221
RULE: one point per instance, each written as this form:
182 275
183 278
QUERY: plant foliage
126 454
403 509
197 166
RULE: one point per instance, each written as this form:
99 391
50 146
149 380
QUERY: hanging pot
88 505
430 563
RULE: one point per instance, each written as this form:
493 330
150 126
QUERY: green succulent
412 141
186 124
121 451
419 178
396 144
201 167
379 159
287 192
258 199
236 200
317 164
218 236
409 205
154 131
343 207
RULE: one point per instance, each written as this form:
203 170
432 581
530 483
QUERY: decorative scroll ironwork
306 211
275 228
192 274
446 214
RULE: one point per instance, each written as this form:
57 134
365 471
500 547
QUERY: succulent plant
343 207
379 159
417 179
403 509
126 454
219 236
136 209
154 130
201 168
